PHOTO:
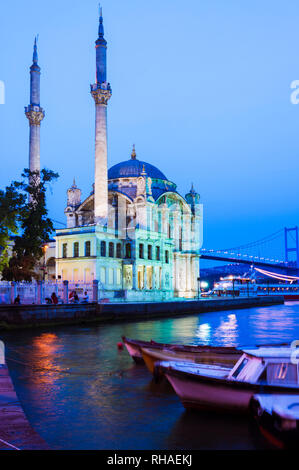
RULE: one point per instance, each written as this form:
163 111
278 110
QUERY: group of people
74 298
53 300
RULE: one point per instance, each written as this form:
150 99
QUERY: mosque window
118 250
103 248
169 233
157 253
87 248
111 250
76 250
128 250
141 250
181 239
64 250
166 256
150 252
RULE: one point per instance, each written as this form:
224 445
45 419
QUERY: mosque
134 233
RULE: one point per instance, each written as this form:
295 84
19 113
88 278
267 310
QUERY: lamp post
45 248
198 287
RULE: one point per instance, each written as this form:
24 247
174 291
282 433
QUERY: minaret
101 92
34 113
193 199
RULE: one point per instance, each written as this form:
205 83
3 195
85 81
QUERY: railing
45 292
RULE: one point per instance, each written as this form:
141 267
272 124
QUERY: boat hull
216 391
186 351
135 353
203 395
213 355
294 297
281 431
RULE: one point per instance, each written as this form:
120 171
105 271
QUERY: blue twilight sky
202 87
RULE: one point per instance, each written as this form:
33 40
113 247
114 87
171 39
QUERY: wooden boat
203 355
259 371
134 348
278 418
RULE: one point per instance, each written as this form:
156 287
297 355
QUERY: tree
34 223
11 205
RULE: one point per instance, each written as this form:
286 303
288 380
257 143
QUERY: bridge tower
291 244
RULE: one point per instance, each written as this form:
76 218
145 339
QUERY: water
80 392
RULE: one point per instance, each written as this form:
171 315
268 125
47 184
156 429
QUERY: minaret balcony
35 114
102 86
101 92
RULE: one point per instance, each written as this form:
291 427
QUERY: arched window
181 239
166 256
118 250
64 250
111 250
76 250
103 248
128 250
87 248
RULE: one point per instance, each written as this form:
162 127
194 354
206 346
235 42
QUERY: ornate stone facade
134 233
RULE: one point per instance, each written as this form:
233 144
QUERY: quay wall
28 316
16 432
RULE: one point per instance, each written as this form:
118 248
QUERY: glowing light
281 277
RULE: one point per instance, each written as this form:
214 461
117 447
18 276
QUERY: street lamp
198 287
45 248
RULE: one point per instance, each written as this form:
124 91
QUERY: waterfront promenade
15 431
26 316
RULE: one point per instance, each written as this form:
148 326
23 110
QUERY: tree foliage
35 227
11 206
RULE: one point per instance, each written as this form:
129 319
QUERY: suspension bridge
253 253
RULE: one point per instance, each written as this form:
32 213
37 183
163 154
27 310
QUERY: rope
60 371
9 445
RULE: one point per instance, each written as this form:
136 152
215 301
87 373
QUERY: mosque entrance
128 276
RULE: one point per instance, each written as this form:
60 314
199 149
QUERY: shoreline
16 433
15 317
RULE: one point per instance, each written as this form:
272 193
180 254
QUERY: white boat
237 286
264 370
278 418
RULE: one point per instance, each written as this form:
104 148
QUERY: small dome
134 168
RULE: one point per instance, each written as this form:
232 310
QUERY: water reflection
79 391
227 331
214 432
203 333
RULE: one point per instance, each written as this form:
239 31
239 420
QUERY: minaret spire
133 154
101 92
101 26
35 56
34 113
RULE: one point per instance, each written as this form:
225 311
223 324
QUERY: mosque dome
134 168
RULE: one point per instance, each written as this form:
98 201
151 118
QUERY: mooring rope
63 371
9 445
